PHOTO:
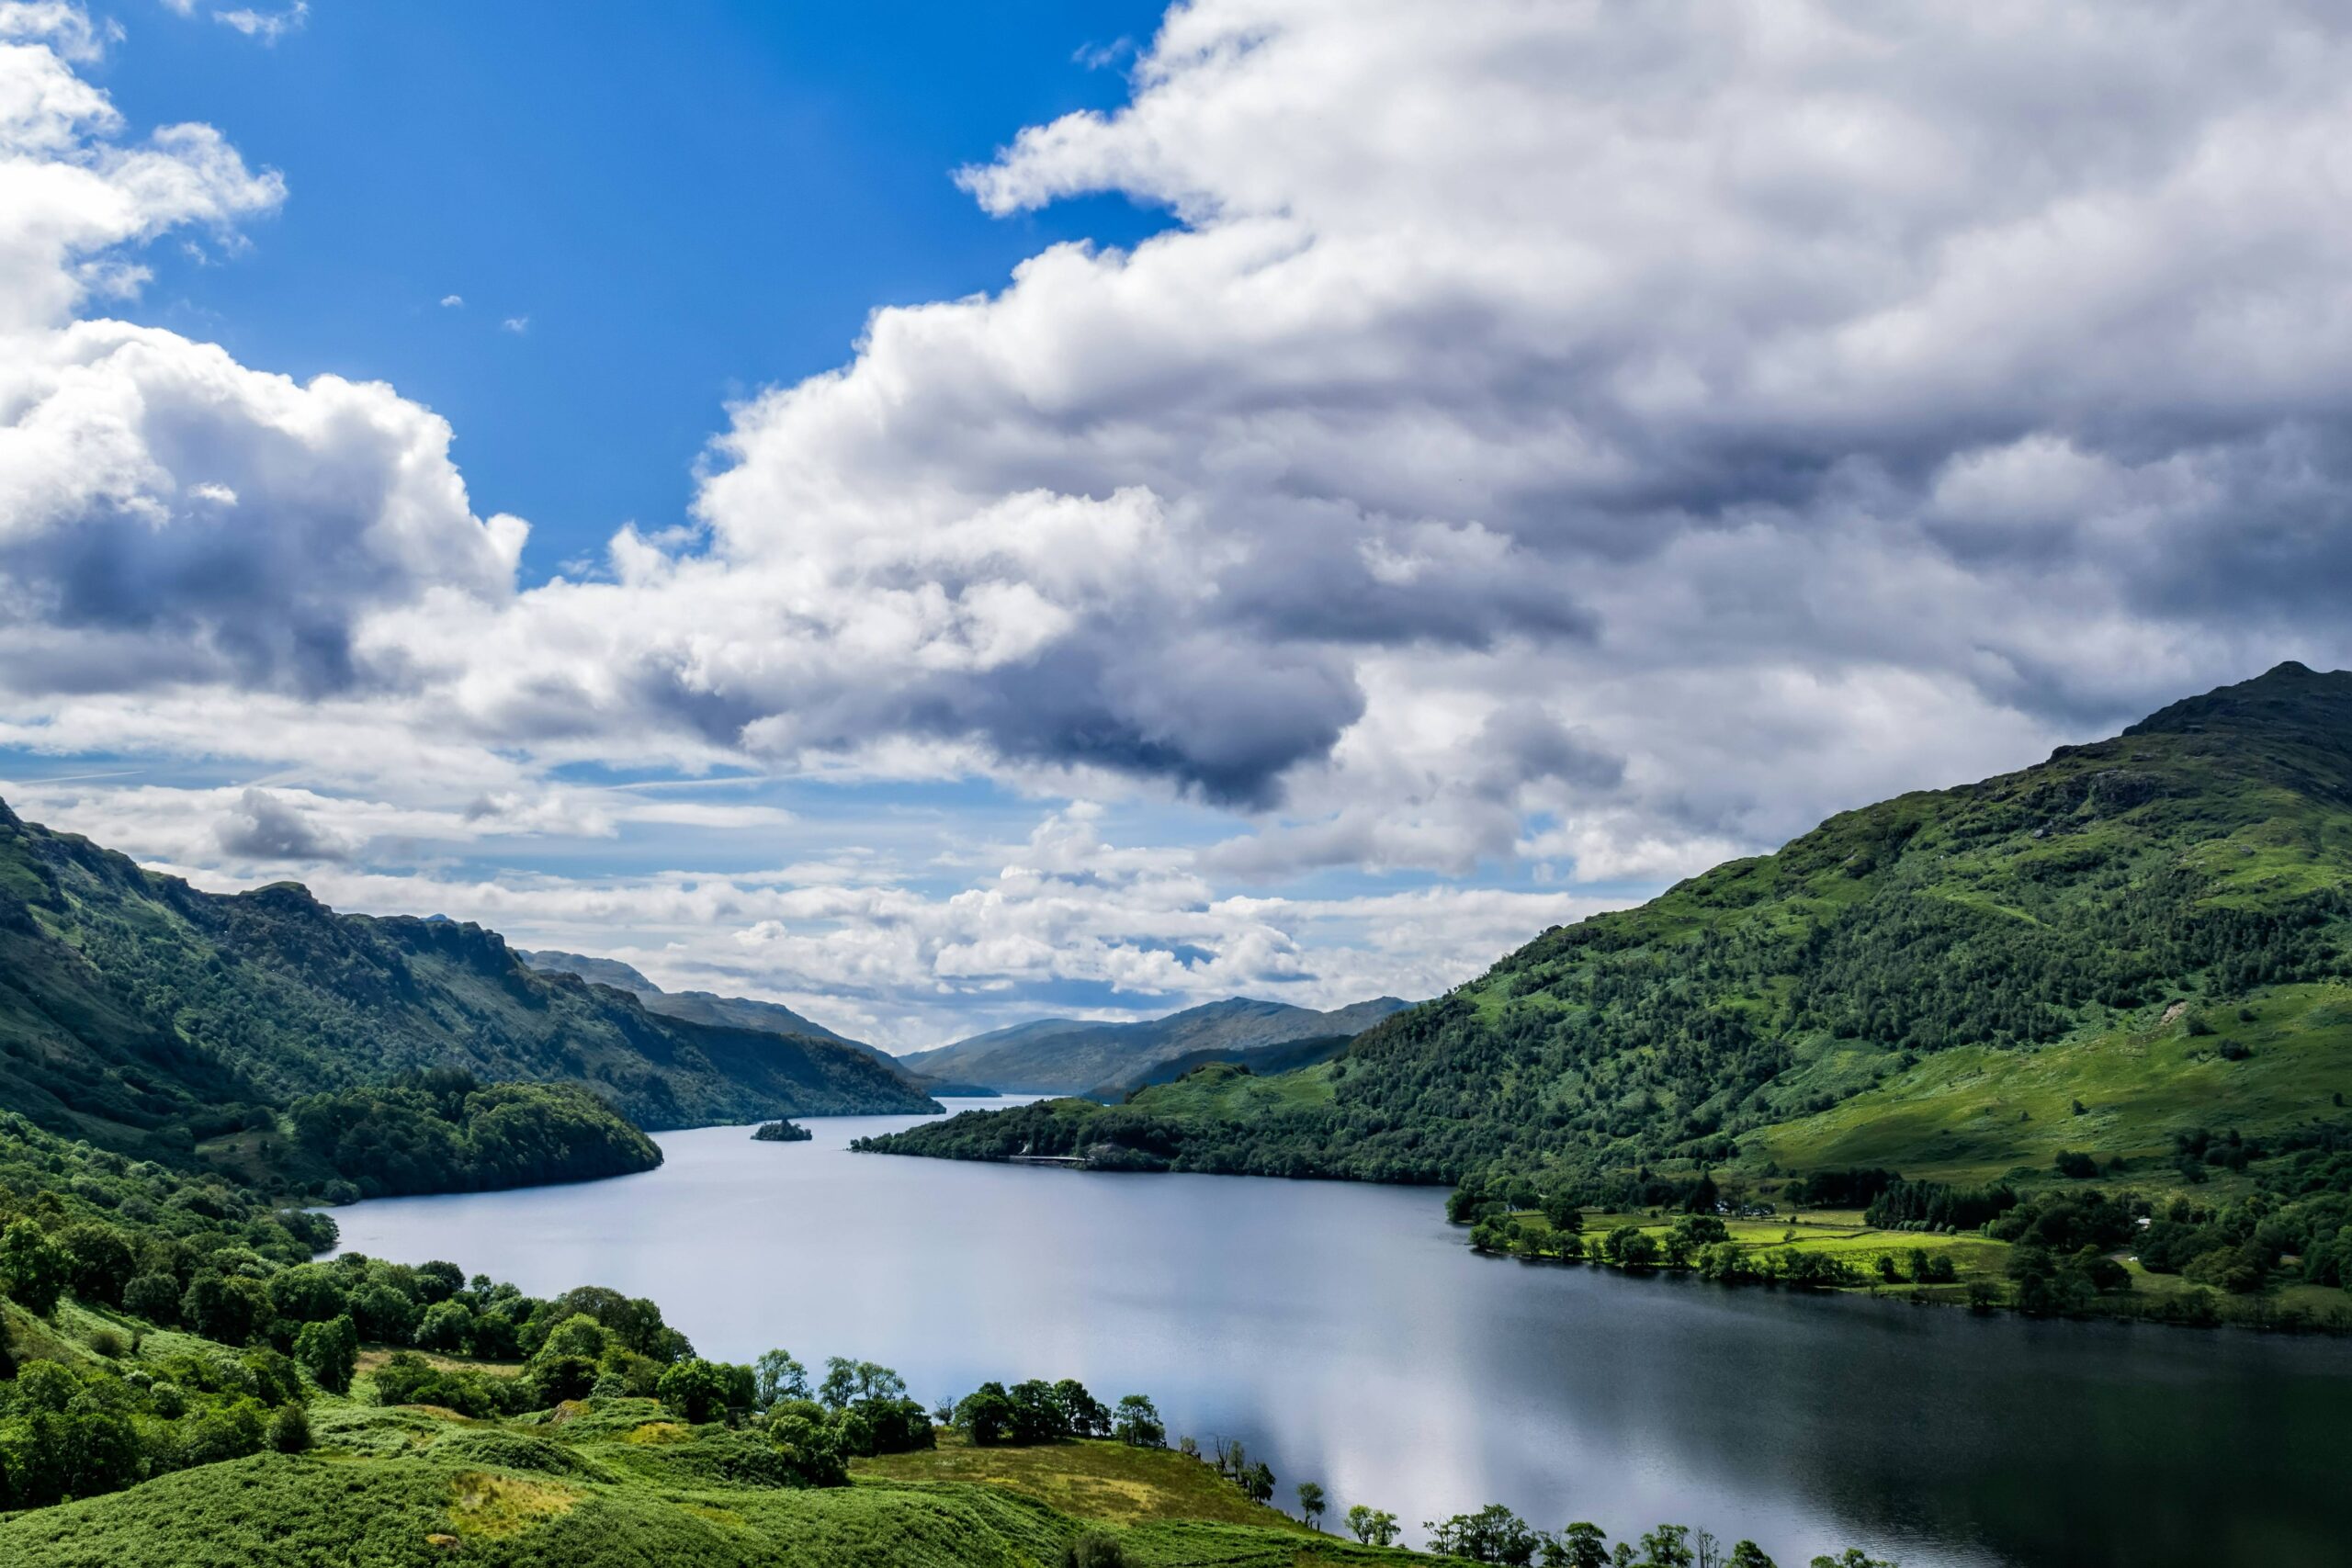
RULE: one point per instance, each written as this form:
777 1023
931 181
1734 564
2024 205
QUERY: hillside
145 1015
1261 1060
730 1013
2103 954
1063 1055
694 1007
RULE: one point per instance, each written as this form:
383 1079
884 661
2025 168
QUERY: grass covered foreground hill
2120 953
144 1015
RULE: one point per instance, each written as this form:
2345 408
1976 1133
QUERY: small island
782 1132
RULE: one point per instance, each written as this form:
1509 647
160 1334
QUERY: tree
230 1308
1258 1482
984 1416
1311 1504
1138 1424
849 1383
777 1376
1493 1534
1036 1411
33 1269
445 1327
1372 1527
383 1311
695 1389
330 1352
1852 1557
1582 1545
154 1296
1668 1546
1082 1414
99 1262
1748 1554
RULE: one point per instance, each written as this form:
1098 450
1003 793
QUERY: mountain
694 1007
136 1010
1061 1056
1261 1060
729 1012
2116 954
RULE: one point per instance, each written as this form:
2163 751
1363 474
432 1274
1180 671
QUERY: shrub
1094 1549
289 1430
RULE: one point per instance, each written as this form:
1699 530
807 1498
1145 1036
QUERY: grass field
1093 1479
617 1482
1841 1235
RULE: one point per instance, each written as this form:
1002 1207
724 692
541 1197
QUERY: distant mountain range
1105 1061
1046 1055
139 1013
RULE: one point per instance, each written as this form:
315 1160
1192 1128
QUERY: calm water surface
1347 1336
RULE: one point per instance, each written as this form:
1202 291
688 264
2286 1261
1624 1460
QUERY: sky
943 515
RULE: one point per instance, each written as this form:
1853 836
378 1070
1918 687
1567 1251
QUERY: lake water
1346 1335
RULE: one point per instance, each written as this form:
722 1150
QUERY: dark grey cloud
264 827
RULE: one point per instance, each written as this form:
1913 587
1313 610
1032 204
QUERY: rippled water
1347 1336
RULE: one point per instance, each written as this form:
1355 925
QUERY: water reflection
1346 1336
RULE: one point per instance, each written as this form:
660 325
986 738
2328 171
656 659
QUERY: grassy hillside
1261 1061
2133 961
634 1487
142 1013
1067 1056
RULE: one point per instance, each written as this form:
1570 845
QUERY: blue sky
685 202
935 514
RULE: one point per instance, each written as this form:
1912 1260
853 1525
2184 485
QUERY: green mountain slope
1070 1056
137 1011
2156 927
729 1012
694 1007
1286 1056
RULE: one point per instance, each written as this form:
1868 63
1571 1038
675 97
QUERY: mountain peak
2292 697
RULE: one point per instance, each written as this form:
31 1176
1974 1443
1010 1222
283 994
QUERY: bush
289 1430
1094 1549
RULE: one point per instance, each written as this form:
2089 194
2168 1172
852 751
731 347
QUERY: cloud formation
169 516
1591 437
1718 390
